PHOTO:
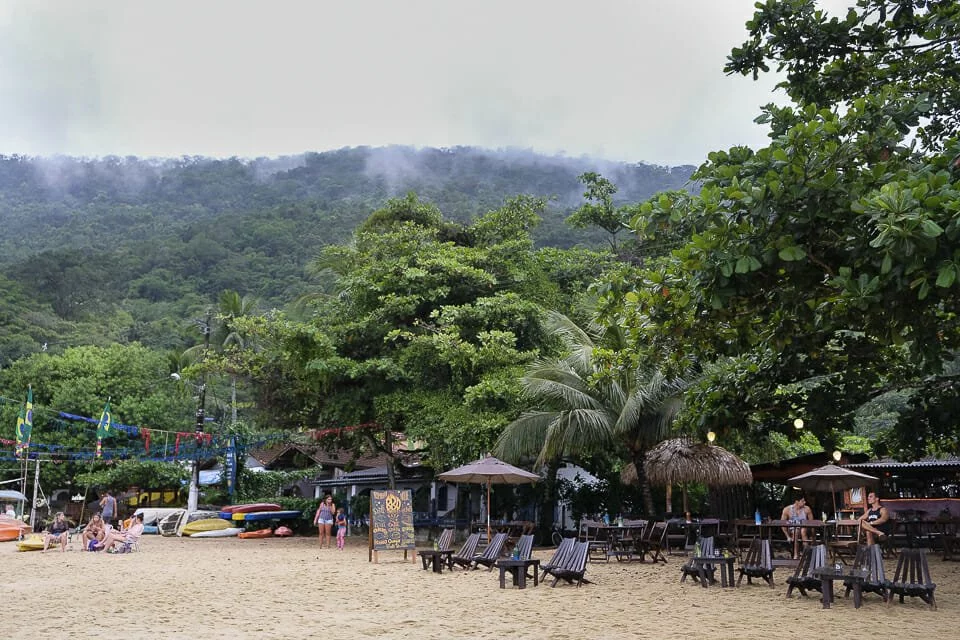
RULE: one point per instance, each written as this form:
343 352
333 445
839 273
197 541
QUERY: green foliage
146 475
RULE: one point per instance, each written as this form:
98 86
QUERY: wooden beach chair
559 556
492 553
654 543
525 547
912 578
844 547
869 558
758 563
702 572
574 567
464 557
442 552
802 579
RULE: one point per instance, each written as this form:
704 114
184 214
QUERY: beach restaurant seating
464 557
574 566
559 556
758 563
912 578
492 553
845 541
525 547
813 557
870 560
654 543
702 572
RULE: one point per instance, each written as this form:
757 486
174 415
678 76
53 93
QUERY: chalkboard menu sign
391 520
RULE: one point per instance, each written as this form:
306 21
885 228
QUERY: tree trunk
669 498
549 504
233 400
638 457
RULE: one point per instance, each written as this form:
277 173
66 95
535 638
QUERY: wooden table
814 525
828 574
622 540
519 570
435 558
726 569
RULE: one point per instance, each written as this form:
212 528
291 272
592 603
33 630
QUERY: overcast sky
635 80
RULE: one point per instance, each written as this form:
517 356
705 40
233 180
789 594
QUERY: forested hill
119 249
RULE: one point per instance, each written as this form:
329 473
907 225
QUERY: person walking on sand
341 528
324 519
108 508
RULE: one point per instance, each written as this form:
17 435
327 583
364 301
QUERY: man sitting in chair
128 536
796 512
58 531
875 520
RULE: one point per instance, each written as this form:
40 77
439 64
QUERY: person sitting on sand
875 520
58 530
94 531
796 512
127 536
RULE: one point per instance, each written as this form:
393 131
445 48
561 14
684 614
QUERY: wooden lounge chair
655 543
440 554
869 559
701 572
464 557
574 567
912 578
559 556
802 579
525 547
492 553
758 563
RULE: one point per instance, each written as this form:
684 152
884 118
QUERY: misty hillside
144 243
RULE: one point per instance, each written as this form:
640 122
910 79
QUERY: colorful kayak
218 533
250 508
207 524
260 533
265 515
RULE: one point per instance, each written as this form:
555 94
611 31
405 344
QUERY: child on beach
341 528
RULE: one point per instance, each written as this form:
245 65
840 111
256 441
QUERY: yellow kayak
33 542
207 524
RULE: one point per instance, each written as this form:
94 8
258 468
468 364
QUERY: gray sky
635 80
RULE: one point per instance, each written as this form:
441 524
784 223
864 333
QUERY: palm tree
576 415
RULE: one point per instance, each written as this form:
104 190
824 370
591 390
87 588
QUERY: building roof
781 471
930 462
374 475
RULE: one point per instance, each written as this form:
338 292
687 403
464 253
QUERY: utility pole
194 495
33 503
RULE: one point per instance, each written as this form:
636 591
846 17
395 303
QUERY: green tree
578 413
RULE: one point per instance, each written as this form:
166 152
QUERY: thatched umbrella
680 460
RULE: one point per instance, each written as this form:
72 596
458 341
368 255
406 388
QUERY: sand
289 588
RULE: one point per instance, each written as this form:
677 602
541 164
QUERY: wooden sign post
391 523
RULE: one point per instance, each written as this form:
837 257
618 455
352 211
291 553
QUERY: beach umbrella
832 478
489 471
682 460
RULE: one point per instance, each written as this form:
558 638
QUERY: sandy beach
279 588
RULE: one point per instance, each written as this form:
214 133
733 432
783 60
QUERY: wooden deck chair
844 548
445 540
492 553
559 556
758 563
870 559
525 547
464 557
912 578
813 558
655 543
700 571
574 567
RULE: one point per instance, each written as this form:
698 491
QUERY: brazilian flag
103 428
25 425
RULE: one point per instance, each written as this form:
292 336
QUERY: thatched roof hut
680 460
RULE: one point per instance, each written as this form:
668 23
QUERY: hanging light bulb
798 423
836 456
711 436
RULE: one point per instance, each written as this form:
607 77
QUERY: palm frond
524 436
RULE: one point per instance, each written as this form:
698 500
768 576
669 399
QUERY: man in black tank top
875 519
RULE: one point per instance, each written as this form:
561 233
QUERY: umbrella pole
685 498
670 498
488 512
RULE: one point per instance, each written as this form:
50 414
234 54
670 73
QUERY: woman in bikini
94 531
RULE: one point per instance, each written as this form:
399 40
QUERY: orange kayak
260 533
